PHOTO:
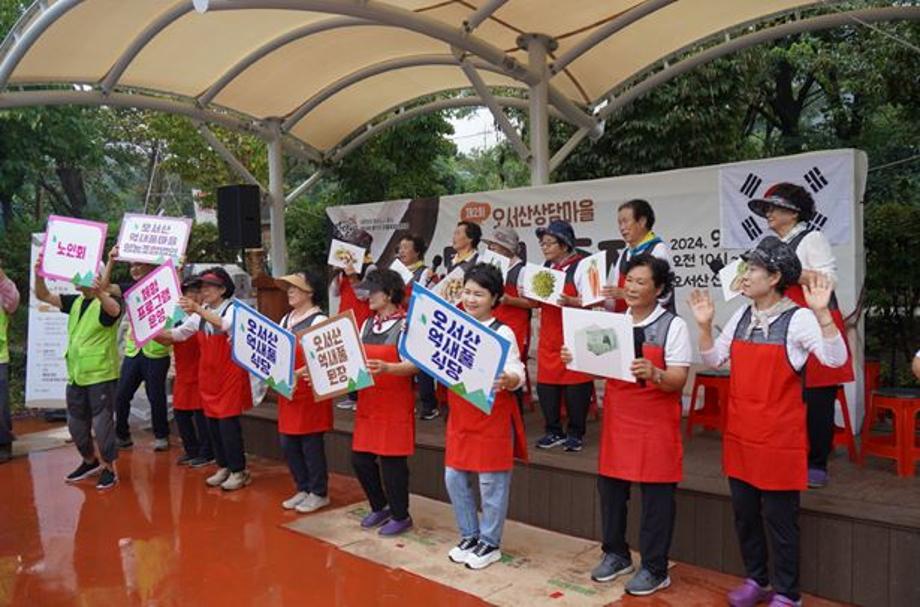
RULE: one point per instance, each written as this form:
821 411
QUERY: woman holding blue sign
482 443
640 437
224 385
303 422
384 434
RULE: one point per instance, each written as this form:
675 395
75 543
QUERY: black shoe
573 444
84 471
185 460
107 480
430 415
200 462
6 453
124 443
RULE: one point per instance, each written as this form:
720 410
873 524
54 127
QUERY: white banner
687 210
153 239
46 369
828 178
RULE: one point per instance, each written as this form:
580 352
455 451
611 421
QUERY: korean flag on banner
827 177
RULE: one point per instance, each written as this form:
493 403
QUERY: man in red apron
640 436
302 421
554 381
481 447
384 433
765 442
788 209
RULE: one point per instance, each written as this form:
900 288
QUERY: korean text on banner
264 348
153 303
453 347
72 249
335 357
601 342
153 239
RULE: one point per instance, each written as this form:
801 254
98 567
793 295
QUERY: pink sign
153 303
153 238
72 249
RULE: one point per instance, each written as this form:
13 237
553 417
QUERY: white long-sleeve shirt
190 325
814 251
513 364
804 338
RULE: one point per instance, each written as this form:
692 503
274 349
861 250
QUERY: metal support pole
276 195
497 112
538 45
218 146
567 148
482 13
305 187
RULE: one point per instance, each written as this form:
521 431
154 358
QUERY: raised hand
566 355
188 305
702 307
818 292
113 254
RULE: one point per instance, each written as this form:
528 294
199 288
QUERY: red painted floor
162 537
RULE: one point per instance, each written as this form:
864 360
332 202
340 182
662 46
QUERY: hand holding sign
335 357
153 303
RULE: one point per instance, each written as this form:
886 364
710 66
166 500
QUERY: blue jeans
494 489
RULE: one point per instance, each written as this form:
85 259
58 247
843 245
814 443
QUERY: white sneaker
236 480
312 503
482 556
161 444
462 551
291 502
218 477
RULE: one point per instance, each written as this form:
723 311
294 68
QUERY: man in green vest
9 301
148 365
92 374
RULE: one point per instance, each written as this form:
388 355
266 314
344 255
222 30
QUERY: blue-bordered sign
263 347
453 347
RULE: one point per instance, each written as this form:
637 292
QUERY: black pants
193 429
657 527
306 458
227 442
780 511
577 401
820 418
384 484
152 372
426 392
6 417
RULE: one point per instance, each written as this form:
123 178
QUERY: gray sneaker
611 567
645 583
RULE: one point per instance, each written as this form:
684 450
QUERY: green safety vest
92 349
151 349
4 341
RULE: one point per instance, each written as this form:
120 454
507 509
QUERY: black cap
561 230
776 256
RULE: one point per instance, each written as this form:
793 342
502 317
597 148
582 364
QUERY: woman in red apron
640 435
765 442
788 209
515 310
384 434
484 445
554 381
190 419
302 421
223 385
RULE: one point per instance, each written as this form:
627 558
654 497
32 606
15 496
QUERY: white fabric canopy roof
267 58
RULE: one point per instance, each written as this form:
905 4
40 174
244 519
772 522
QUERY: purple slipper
817 478
395 527
375 519
748 594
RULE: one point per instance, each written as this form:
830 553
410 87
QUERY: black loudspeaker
239 219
